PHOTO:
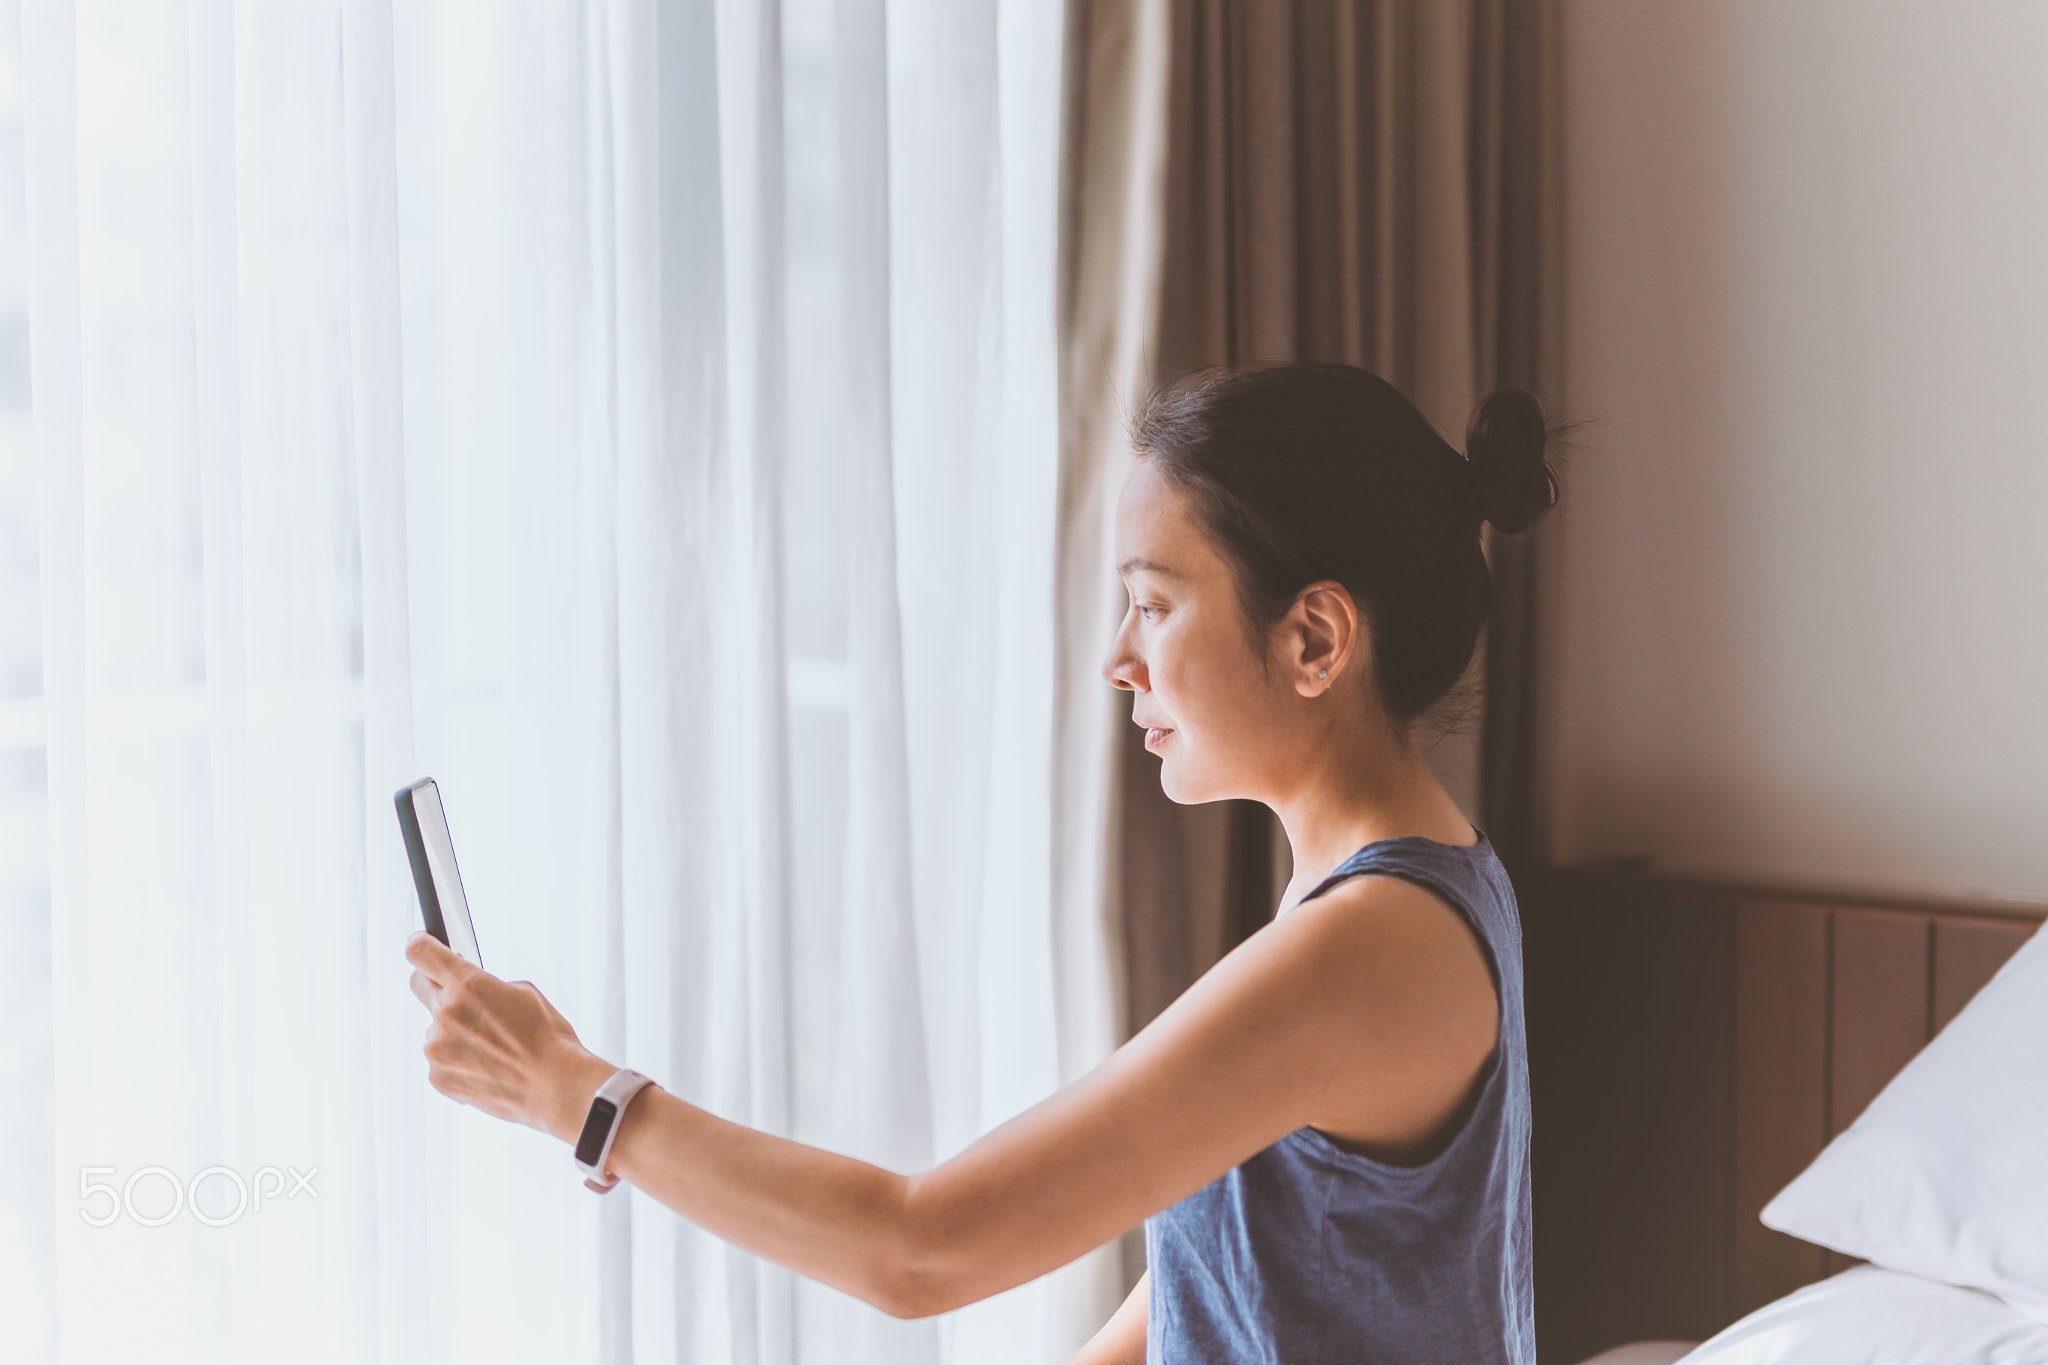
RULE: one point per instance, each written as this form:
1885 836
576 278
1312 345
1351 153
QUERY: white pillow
1869 1316
1946 1174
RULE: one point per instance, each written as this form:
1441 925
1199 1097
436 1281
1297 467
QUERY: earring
1322 673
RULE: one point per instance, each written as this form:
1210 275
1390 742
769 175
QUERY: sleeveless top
1309 1253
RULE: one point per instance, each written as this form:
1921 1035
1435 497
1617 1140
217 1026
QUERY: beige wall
1798 611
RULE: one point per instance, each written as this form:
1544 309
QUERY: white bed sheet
1872 1316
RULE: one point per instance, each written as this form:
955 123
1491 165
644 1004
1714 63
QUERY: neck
1350 794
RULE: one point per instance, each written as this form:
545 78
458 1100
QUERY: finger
423 990
433 957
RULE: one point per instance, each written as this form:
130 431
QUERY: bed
1695 1046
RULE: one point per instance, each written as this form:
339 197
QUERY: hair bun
1512 485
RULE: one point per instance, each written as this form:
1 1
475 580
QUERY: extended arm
1356 1013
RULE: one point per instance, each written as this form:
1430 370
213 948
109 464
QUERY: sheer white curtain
640 417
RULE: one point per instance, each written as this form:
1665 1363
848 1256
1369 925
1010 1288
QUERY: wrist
573 1083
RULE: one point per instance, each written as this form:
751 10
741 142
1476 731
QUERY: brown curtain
1357 182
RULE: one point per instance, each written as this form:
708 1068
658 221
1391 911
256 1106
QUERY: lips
1155 735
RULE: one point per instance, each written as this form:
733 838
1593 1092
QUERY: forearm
1016 1205
829 1217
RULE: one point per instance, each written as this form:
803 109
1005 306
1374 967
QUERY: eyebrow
1131 566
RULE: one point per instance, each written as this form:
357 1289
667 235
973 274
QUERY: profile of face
1226 709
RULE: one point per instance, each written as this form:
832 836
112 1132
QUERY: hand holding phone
432 853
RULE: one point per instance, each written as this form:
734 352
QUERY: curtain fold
1518 316
1114 171
641 417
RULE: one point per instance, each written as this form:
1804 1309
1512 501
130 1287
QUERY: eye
1149 613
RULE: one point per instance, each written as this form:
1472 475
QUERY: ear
1318 637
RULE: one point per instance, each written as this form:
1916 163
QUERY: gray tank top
1309 1253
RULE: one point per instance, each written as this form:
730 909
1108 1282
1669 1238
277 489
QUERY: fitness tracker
601 1126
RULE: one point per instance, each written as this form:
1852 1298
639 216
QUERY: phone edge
416 855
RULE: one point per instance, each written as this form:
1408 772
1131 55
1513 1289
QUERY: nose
1123 668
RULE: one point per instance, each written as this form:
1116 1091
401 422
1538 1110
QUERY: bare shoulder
1406 992
1378 920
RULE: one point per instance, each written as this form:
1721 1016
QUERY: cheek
1178 674
1211 685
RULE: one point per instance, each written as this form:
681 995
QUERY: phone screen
432 854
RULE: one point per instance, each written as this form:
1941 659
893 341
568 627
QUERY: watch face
590 1142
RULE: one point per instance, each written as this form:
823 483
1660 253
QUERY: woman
1327 1135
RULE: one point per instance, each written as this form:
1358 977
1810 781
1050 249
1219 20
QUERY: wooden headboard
1693 1045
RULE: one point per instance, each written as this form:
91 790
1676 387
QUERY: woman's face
1216 718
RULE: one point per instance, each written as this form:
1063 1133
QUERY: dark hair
1303 473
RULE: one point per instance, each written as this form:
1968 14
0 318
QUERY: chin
1185 788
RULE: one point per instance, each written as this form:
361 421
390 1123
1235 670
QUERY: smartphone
432 854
